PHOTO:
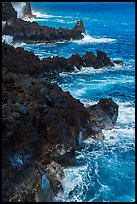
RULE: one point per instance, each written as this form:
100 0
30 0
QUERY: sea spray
19 7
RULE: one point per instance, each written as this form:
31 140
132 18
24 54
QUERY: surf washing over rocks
81 169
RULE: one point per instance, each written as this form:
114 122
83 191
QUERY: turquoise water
105 170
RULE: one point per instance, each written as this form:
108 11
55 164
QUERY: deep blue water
105 170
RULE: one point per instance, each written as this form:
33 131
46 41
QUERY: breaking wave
100 167
88 39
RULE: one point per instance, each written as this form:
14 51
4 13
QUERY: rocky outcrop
8 11
32 32
103 115
56 123
27 13
42 125
20 61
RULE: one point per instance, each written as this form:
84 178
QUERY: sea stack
27 13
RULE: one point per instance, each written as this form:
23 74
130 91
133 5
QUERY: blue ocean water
105 170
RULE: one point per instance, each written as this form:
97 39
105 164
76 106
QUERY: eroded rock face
27 13
42 125
32 32
53 131
55 175
103 115
28 63
8 11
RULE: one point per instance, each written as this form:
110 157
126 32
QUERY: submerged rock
118 62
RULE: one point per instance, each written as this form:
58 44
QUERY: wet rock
32 32
25 182
28 63
103 115
118 62
55 175
76 61
104 59
109 106
90 60
49 127
80 26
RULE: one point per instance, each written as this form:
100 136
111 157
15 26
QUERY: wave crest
88 39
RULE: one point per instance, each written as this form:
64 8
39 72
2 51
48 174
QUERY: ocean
104 170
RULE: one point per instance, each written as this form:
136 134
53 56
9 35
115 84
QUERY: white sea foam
8 39
86 70
91 70
117 141
41 15
72 179
19 44
38 16
89 39
44 15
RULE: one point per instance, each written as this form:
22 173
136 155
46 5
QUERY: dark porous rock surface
103 115
24 62
8 11
34 131
101 56
32 32
42 125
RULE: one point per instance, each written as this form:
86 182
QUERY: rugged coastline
42 124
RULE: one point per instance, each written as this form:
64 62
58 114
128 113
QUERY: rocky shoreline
43 125
32 32
28 63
